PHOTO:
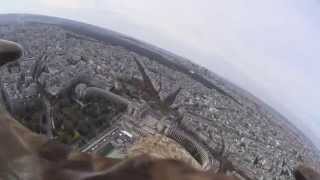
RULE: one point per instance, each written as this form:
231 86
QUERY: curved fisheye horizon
267 48
226 90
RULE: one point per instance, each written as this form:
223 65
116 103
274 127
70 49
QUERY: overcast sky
268 47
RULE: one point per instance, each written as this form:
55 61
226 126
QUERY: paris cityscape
104 98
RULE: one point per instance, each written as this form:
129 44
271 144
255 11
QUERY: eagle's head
9 51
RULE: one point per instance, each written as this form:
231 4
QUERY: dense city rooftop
221 117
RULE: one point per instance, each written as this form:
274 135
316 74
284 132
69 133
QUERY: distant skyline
270 48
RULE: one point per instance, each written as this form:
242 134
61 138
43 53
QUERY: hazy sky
268 47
